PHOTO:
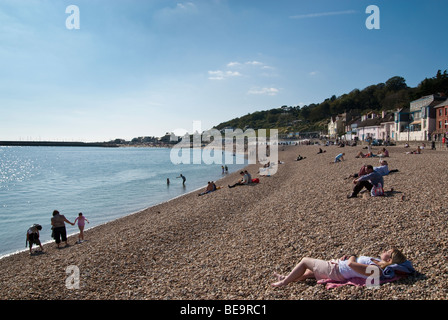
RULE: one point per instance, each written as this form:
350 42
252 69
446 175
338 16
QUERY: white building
418 122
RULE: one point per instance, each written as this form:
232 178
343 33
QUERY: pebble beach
226 245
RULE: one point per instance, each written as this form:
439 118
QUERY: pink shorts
326 270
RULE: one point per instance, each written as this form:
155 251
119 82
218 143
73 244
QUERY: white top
32 229
382 170
348 272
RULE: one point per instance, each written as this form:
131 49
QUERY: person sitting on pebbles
372 179
244 180
384 153
382 169
211 186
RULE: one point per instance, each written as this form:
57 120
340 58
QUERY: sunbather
365 155
346 267
417 151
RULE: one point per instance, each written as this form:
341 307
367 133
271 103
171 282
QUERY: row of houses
425 119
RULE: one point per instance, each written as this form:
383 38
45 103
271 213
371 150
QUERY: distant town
425 119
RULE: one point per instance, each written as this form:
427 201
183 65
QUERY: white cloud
220 75
313 73
167 14
264 91
186 6
233 64
233 73
322 14
249 63
254 63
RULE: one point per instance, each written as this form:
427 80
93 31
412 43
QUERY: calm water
103 183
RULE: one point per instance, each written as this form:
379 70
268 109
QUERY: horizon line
322 14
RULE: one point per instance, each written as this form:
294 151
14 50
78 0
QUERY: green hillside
391 95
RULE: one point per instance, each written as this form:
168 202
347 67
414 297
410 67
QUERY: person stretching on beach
346 267
383 170
81 223
371 181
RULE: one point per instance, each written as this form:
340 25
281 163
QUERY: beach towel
358 282
401 269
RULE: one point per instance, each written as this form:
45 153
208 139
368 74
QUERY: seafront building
425 119
418 122
441 121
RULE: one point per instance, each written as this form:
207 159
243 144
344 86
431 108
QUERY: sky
134 68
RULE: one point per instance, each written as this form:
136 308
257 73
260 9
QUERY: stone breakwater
227 244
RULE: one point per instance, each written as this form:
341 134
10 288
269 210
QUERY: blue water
103 183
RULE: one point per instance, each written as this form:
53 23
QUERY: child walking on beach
81 223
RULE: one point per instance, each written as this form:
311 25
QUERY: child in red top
81 223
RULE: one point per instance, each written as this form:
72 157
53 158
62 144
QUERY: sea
103 183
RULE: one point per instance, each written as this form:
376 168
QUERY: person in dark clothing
59 232
32 237
370 180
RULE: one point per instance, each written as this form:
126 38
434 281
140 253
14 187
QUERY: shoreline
71 235
226 245
75 233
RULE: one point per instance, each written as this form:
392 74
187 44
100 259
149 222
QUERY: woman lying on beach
365 155
417 151
346 267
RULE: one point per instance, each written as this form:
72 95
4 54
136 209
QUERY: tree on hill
437 84
391 95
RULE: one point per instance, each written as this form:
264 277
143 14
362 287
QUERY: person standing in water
183 178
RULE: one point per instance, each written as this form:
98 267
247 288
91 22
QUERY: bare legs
81 234
302 271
